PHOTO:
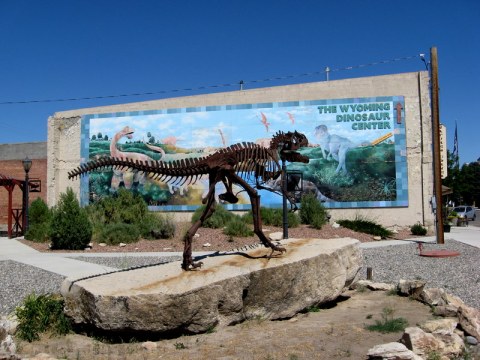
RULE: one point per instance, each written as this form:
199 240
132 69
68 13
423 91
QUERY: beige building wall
64 134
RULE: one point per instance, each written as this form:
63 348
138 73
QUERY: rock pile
8 326
444 338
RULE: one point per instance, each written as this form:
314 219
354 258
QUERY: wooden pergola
9 184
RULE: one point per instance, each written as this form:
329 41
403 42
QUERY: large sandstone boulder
228 289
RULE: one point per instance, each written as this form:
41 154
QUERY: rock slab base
228 289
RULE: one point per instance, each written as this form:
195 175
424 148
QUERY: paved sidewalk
469 235
64 264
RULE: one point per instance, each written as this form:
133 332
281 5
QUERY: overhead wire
207 87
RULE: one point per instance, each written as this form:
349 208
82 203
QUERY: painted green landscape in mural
370 175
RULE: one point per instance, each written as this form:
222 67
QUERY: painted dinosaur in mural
127 176
246 165
130 176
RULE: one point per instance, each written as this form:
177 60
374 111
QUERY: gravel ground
458 275
19 280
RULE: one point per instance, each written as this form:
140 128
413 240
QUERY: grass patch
388 324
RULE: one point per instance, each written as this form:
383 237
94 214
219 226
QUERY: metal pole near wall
437 176
285 209
27 164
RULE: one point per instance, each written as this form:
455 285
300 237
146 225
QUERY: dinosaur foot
279 249
192 265
228 197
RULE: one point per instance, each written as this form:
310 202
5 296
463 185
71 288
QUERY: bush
318 220
127 208
366 226
70 228
312 212
418 229
122 207
237 227
273 217
157 226
219 218
114 234
39 217
39 314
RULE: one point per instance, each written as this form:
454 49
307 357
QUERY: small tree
70 228
39 221
312 212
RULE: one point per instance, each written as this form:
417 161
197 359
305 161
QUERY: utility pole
437 176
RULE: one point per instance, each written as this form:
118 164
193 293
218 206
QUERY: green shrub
114 234
418 229
70 228
122 207
312 212
39 217
273 217
219 218
318 220
39 314
157 226
365 226
237 227
127 208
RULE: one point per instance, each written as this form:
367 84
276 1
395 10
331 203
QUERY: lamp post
27 164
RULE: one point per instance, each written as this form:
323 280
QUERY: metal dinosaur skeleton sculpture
256 163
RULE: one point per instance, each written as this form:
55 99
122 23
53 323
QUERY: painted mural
357 149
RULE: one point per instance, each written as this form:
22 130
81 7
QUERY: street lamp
27 164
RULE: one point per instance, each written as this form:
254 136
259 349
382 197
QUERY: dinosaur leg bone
188 263
257 219
229 196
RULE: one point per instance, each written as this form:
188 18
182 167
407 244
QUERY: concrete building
67 132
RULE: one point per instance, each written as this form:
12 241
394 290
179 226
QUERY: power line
207 87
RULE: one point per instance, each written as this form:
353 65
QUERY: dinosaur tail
179 171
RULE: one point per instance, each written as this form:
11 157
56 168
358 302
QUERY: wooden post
369 273
437 176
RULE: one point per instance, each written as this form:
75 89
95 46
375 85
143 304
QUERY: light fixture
27 164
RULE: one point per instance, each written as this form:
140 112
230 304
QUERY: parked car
465 211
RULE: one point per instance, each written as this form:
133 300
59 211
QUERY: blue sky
61 49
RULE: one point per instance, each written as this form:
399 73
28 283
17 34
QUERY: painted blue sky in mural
77 51
201 129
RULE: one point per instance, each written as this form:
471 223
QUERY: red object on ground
439 253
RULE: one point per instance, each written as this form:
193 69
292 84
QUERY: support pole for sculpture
284 196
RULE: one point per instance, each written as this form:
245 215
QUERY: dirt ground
218 241
337 332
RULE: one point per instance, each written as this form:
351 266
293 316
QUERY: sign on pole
443 151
